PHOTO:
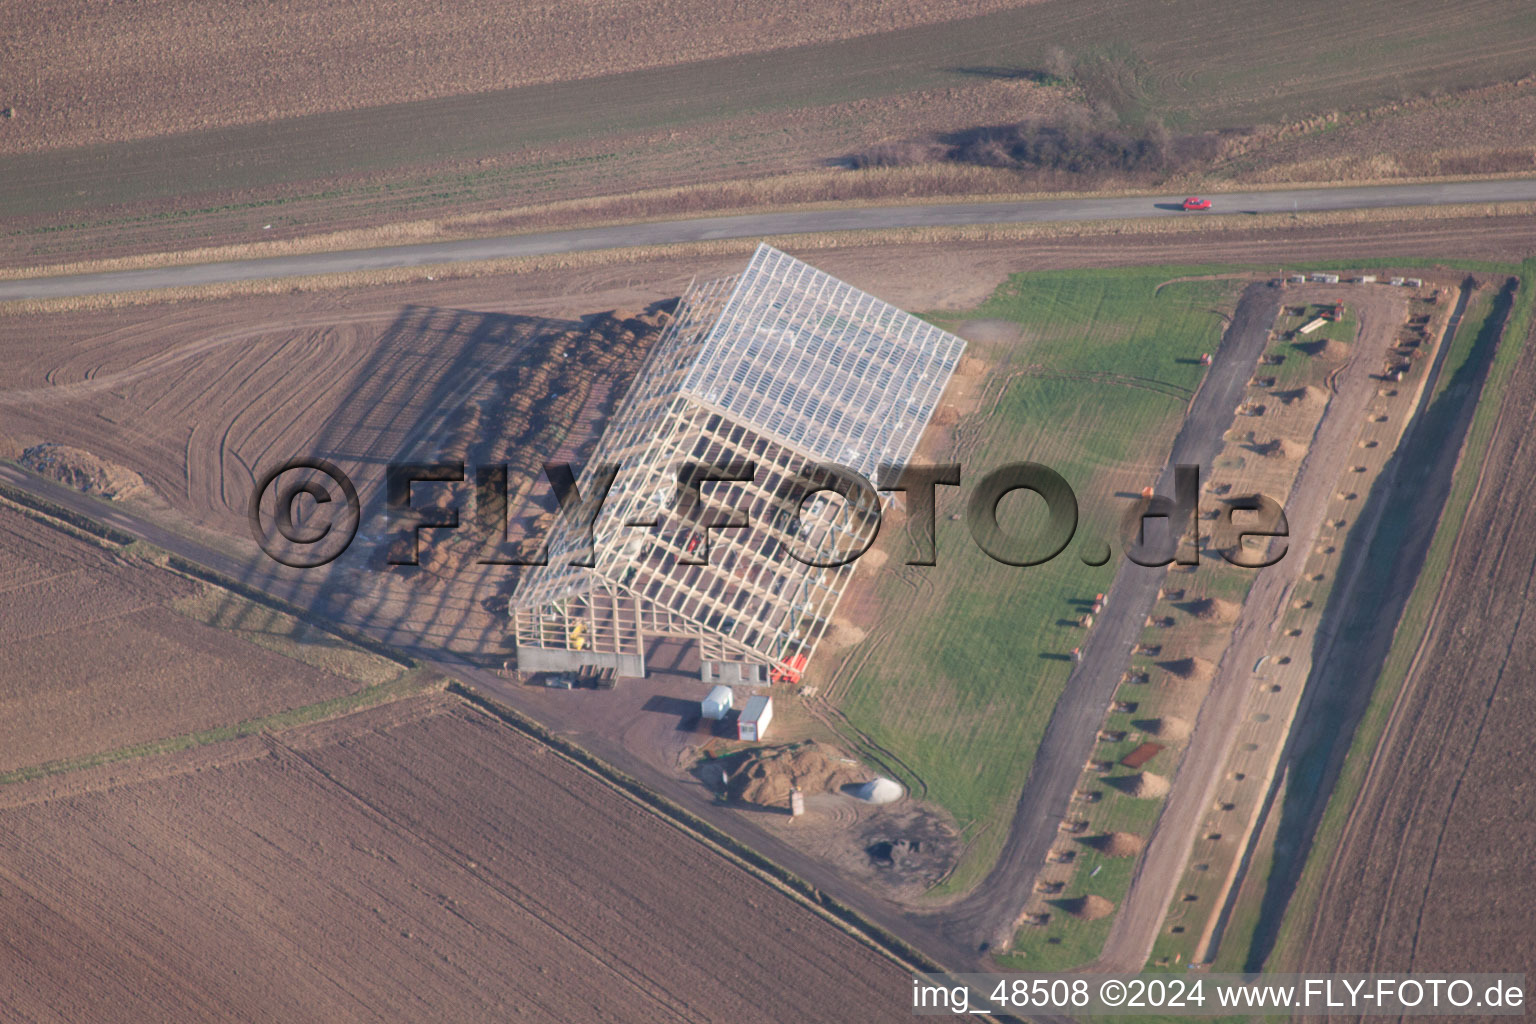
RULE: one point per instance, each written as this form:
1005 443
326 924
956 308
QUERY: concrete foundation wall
732 672
545 659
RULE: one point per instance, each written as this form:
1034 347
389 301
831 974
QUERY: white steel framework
783 366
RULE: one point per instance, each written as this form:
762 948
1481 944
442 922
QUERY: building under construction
784 367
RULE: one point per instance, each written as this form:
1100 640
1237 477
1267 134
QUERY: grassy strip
408 684
907 956
1411 631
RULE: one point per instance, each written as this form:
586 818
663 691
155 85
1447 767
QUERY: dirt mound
1213 609
1168 727
1303 396
1145 785
1280 448
1326 348
1088 908
1117 844
766 776
78 468
1193 670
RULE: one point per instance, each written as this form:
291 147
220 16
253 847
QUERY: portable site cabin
716 703
753 723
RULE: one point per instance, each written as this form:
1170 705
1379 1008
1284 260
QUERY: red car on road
1196 203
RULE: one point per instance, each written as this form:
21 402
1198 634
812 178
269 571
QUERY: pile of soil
1281 448
1306 396
1088 908
1213 609
766 776
78 468
1168 727
1146 785
1191 670
1326 348
1118 844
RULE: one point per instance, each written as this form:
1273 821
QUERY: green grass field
973 654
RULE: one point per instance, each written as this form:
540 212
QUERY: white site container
753 723
717 703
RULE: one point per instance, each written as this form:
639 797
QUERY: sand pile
766 776
1088 908
1169 727
1118 844
1213 609
1191 670
77 468
1146 785
880 791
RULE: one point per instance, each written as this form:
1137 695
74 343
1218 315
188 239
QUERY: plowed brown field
95 657
419 861
1431 868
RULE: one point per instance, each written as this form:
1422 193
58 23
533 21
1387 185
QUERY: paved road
759 225
988 914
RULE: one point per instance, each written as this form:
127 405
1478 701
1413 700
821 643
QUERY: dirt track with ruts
1428 874
420 861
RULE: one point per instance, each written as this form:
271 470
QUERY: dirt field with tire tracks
1428 875
416 861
